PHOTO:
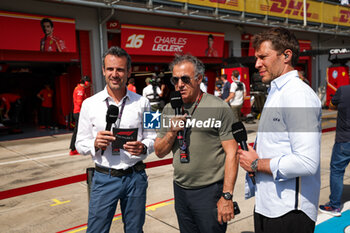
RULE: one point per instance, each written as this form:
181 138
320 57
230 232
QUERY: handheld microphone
176 103
240 134
111 118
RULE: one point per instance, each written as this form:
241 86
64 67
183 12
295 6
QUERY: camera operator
237 94
152 93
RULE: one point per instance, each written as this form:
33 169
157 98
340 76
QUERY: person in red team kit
50 43
10 109
131 85
46 96
79 95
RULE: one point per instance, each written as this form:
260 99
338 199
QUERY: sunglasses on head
185 79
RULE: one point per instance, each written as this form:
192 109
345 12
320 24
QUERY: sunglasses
185 79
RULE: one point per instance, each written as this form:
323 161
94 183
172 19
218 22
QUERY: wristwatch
227 196
254 165
144 151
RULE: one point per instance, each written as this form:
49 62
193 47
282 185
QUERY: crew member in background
203 187
153 93
286 160
118 176
79 95
204 84
226 85
11 108
341 150
46 96
237 95
131 85
217 91
165 92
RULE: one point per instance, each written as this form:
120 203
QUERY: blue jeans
105 193
339 162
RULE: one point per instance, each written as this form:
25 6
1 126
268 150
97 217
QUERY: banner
144 40
316 11
36 33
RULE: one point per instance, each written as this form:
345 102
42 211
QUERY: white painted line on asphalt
31 159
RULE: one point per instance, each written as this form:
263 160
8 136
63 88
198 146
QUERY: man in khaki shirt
203 187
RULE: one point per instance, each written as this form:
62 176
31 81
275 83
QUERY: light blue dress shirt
290 135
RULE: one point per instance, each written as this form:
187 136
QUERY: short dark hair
85 79
210 36
199 66
224 76
281 39
132 80
235 73
45 20
119 52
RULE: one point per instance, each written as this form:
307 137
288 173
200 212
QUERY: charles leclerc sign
144 40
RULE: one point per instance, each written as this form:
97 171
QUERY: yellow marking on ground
329 122
57 202
77 230
117 218
154 207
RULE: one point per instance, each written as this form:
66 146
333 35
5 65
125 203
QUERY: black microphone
111 118
176 103
240 134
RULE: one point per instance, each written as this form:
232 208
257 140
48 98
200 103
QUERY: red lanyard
196 105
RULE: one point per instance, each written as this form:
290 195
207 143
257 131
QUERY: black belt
120 172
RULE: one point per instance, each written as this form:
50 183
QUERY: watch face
227 196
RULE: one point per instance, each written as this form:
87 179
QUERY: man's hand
178 123
225 210
247 157
134 147
103 139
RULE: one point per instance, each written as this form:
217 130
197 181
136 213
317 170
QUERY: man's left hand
134 147
225 210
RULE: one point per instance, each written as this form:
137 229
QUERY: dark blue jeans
105 193
339 162
196 209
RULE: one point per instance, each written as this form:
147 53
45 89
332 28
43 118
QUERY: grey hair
119 52
179 58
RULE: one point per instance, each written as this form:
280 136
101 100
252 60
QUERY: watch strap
254 165
144 151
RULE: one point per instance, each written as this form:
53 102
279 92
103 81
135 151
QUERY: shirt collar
282 80
106 96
